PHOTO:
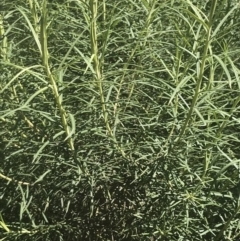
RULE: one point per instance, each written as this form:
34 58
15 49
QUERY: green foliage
119 120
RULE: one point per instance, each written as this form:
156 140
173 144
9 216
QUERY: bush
120 120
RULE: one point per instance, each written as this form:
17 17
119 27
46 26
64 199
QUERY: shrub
120 120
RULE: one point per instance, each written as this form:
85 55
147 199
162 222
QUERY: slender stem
202 67
3 38
97 69
45 55
96 63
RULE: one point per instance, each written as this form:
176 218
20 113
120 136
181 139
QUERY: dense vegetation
119 120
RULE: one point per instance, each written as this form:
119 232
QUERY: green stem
200 77
45 55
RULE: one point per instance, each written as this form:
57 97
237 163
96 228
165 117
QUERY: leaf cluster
119 120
